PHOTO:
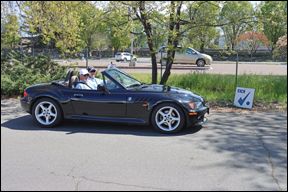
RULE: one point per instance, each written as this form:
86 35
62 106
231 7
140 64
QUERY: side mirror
194 53
102 87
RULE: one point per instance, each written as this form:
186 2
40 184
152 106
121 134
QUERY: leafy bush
19 71
280 51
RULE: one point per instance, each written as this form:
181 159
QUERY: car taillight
121 54
25 94
156 53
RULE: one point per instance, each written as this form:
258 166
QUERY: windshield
194 50
123 78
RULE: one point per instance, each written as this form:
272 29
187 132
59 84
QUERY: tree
202 37
59 20
10 25
251 41
274 20
171 24
230 13
93 32
10 31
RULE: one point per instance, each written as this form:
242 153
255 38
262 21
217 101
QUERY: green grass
221 88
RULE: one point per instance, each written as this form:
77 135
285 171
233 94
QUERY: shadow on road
77 126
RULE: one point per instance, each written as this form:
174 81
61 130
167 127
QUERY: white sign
244 97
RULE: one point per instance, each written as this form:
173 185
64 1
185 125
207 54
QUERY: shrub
280 51
19 71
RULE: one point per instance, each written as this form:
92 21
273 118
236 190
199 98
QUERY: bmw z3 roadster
121 98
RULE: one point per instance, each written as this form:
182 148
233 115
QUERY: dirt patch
257 108
12 98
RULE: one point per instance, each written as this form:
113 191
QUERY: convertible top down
120 99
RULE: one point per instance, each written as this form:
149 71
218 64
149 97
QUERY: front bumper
197 117
208 61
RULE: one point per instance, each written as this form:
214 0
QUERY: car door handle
78 95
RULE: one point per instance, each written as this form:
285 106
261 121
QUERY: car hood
175 92
207 56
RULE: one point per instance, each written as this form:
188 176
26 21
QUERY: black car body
123 99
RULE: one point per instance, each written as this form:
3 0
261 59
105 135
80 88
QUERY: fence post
87 58
236 68
161 63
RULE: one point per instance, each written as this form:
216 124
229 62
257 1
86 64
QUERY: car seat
73 82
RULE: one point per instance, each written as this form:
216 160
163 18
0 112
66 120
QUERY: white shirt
94 82
82 85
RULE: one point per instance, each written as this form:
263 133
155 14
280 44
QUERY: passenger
92 81
83 74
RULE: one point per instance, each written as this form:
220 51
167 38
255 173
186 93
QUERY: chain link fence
261 62
216 54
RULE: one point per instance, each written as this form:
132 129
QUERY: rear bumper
25 104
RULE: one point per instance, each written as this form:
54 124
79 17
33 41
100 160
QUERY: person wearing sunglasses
92 81
82 84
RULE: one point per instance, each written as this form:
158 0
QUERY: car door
127 56
178 55
189 56
97 103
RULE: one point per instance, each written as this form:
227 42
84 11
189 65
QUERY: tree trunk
171 54
148 29
202 48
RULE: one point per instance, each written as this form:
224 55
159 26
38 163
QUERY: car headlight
196 105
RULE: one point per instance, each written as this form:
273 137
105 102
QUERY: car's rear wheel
163 62
200 63
47 113
125 59
168 118
117 60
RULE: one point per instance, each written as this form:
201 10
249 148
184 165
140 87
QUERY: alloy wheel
45 113
167 118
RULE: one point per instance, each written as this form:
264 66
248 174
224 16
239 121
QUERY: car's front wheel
200 63
47 113
168 118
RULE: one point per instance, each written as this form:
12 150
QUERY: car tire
200 63
47 113
163 62
168 118
125 59
117 60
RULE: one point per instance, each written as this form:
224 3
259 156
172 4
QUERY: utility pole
132 37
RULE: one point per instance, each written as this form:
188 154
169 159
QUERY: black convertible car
121 99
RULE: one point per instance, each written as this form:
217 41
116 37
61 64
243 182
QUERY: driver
83 74
92 81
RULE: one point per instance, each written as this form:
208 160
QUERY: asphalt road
231 151
145 66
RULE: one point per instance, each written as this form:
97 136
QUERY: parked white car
189 55
124 56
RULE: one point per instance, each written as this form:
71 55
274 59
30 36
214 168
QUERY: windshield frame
127 77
